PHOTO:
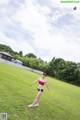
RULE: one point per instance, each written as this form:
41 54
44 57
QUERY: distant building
17 61
5 56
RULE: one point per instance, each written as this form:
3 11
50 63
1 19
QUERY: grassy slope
62 103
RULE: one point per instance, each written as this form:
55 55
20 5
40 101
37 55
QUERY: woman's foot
36 105
31 105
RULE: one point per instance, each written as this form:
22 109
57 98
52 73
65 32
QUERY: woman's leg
36 101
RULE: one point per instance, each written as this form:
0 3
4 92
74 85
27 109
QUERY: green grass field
62 103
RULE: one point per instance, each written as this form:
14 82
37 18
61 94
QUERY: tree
55 66
21 53
5 48
30 55
77 77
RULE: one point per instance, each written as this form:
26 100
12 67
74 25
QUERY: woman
41 82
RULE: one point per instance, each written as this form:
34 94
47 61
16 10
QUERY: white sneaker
36 105
31 105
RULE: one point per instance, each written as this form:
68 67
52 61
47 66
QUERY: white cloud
31 18
16 45
43 22
46 10
4 1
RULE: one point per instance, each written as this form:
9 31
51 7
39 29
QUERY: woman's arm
47 86
33 82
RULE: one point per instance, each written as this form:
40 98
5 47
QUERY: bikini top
41 81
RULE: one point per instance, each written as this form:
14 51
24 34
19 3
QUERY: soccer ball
74 8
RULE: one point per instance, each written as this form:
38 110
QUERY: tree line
67 71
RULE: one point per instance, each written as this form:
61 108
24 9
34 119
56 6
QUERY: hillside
5 48
8 49
62 103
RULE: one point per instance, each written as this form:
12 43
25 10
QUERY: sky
46 28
